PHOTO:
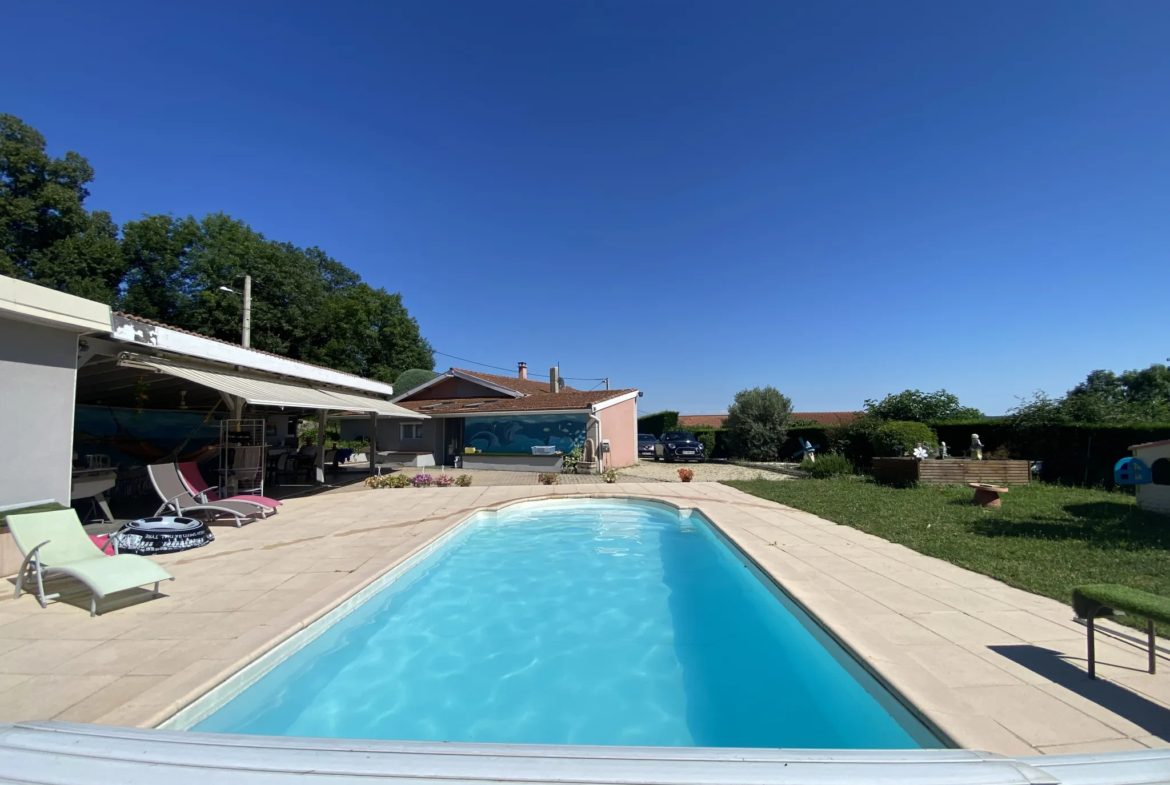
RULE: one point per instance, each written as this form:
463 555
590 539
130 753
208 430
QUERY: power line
513 370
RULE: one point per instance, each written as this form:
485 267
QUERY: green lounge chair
54 542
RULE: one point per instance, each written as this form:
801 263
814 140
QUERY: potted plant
611 475
548 478
444 480
422 481
463 480
686 475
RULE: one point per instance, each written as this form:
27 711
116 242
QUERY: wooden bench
1106 599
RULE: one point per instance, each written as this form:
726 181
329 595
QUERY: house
488 421
716 420
1155 495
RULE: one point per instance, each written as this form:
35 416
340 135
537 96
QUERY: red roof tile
526 386
702 420
716 420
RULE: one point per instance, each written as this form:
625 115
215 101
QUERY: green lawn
1045 538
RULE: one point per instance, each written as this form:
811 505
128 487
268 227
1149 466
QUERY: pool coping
948 729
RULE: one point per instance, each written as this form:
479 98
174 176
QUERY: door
452 441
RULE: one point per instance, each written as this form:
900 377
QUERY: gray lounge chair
176 498
55 542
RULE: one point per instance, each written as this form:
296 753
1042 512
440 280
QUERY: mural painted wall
132 438
518 433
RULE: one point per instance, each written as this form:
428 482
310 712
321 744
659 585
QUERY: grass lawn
1045 538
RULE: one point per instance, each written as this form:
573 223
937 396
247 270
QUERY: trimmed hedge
658 423
715 441
1072 454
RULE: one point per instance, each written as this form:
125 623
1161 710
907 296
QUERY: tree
1132 396
411 378
917 406
46 234
757 423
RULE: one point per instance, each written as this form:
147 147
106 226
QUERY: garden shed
1155 495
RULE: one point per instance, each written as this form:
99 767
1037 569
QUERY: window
1160 472
411 431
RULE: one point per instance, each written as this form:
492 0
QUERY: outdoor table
987 495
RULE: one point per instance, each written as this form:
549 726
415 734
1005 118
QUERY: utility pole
607 382
247 338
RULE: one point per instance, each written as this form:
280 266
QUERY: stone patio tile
178 626
1154 742
107 698
958 667
960 627
180 656
65 622
998 656
963 599
113 658
901 630
1127 712
8 680
1026 626
309 581
977 732
9 644
1035 716
43 657
864 580
906 600
46 696
1112 745
217 601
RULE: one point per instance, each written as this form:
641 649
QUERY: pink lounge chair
204 493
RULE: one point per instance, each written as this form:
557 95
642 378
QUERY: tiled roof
544 401
526 386
716 420
702 420
826 418
144 320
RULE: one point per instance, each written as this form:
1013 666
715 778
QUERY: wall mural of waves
518 433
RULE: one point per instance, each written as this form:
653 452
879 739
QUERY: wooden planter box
951 471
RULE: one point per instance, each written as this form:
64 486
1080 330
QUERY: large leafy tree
757 423
305 304
1104 397
918 406
46 234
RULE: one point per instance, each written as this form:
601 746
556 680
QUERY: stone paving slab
993 667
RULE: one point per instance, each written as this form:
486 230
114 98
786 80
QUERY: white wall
38 381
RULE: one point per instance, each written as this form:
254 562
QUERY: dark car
679 446
646 443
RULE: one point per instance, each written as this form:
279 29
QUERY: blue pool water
578 622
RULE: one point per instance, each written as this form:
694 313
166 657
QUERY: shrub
917 406
444 480
463 481
611 475
827 465
900 438
422 481
658 423
686 475
757 423
571 459
548 478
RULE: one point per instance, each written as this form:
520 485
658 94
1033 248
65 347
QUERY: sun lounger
205 494
55 543
169 485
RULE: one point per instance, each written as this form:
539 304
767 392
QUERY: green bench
1106 599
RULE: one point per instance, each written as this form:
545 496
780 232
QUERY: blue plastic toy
1131 471
806 449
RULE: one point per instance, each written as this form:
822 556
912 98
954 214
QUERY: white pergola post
322 415
373 440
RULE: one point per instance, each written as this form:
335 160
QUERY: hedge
715 441
658 423
1082 454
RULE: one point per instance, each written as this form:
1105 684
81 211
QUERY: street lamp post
246 336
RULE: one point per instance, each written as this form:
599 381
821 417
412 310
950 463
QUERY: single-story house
716 420
1155 495
487 421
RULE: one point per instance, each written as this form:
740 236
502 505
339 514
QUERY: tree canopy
305 304
757 423
1104 397
917 406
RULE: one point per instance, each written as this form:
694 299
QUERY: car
679 446
646 444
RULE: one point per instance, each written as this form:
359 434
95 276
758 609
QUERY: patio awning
269 392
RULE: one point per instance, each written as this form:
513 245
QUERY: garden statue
921 452
976 447
942 451
588 462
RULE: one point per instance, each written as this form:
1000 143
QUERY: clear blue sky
839 199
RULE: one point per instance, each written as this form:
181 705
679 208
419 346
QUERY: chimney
523 374
553 380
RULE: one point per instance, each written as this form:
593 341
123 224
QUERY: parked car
646 444
679 446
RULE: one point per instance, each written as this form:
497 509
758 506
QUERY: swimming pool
613 622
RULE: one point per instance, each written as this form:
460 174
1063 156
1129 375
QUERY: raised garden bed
950 471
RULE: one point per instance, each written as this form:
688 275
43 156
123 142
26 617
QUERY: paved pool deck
996 668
